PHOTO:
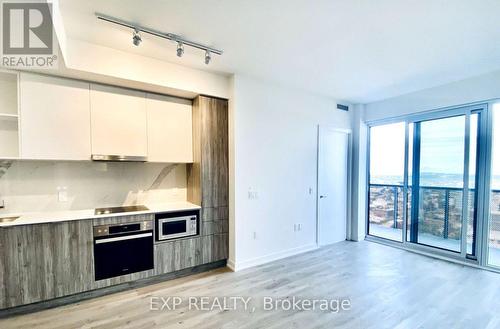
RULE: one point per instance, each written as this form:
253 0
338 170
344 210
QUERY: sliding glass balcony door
443 206
423 182
493 234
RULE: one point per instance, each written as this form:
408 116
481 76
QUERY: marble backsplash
32 186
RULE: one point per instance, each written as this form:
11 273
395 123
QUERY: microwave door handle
176 219
121 238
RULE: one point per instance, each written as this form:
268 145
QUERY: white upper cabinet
170 129
118 121
54 118
64 119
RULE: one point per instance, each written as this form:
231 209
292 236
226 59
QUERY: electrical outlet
252 195
299 227
295 227
255 235
310 190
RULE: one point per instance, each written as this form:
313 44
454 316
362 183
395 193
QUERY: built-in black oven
176 225
123 249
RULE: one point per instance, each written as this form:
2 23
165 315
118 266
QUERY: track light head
180 49
208 57
136 38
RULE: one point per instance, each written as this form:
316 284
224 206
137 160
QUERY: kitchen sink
8 219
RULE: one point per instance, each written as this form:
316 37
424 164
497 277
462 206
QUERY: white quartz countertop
69 215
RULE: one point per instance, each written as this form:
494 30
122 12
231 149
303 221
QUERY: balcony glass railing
386 211
440 217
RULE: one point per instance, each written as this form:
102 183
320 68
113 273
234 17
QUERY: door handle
322 196
121 238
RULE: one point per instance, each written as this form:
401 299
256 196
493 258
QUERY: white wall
481 88
274 153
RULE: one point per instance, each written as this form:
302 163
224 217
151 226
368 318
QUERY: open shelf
8 93
9 125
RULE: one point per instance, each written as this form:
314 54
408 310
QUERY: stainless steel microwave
176 227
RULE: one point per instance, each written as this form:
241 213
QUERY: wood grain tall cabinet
208 176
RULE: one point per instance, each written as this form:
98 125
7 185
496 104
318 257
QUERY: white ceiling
356 50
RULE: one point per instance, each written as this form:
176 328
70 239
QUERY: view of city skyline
433 179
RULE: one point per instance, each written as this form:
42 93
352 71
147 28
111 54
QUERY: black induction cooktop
117 210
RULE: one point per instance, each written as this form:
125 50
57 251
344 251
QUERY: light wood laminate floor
387 288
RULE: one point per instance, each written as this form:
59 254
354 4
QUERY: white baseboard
231 265
238 266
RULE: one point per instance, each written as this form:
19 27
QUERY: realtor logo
27 35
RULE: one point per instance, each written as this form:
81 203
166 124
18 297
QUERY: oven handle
121 238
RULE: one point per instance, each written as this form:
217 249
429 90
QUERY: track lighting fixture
180 49
208 57
136 38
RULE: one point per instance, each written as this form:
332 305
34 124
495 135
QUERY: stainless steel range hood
118 158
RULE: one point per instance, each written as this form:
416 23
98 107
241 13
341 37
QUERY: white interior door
333 174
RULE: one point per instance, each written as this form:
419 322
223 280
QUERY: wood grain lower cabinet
41 262
180 254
